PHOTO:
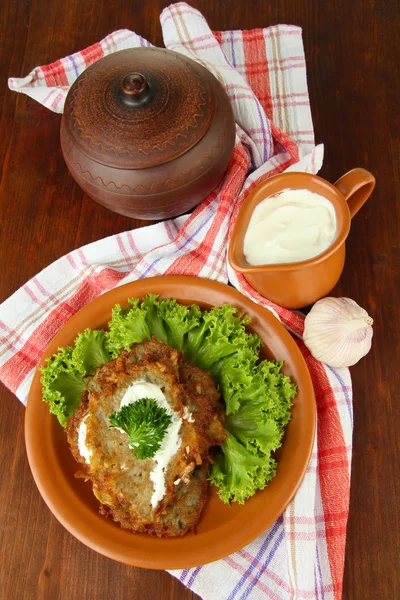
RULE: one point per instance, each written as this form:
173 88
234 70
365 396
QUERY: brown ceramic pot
147 132
295 285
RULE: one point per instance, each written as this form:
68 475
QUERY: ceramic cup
295 285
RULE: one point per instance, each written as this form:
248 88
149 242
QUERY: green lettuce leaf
90 350
154 321
221 333
127 327
235 374
62 383
258 433
70 387
255 429
239 473
178 321
64 378
278 392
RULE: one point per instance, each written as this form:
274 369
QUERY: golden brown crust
203 402
121 482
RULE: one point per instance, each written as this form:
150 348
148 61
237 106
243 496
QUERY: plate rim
220 547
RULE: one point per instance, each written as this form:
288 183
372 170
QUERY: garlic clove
338 331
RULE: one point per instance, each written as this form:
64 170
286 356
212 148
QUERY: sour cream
144 389
290 227
171 441
83 449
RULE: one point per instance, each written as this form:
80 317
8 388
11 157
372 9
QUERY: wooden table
352 50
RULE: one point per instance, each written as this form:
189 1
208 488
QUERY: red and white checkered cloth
264 73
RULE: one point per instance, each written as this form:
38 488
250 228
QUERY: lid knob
135 90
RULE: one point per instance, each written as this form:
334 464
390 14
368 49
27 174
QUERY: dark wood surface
352 50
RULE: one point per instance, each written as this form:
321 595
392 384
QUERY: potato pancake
122 482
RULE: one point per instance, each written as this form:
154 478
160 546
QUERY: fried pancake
121 481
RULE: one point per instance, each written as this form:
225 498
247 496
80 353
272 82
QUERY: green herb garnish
145 422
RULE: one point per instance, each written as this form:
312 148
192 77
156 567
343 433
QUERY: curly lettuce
255 430
127 327
90 350
239 473
64 378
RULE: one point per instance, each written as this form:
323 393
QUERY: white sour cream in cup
289 227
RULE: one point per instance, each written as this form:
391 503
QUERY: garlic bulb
338 332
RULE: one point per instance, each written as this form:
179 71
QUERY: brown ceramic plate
222 529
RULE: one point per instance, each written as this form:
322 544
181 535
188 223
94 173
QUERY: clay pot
147 132
295 285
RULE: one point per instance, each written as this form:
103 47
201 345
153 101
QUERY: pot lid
139 108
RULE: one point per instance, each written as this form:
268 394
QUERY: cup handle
356 186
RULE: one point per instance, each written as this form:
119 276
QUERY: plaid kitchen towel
263 71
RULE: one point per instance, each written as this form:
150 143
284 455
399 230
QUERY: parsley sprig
145 422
